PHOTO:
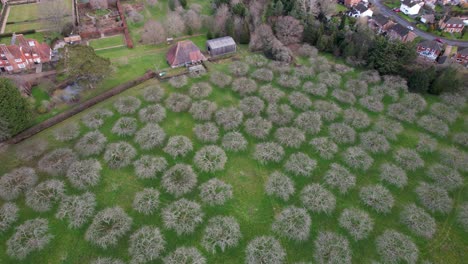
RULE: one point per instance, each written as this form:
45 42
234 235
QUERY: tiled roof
380 19
433 45
453 20
361 8
463 51
184 52
400 30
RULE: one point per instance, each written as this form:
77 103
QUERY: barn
221 46
184 53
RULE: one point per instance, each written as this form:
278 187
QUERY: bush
264 249
342 133
203 110
185 255
263 74
153 94
127 105
318 199
300 164
374 142
179 179
210 158
356 118
434 198
462 216
222 232
290 137
229 118
146 201
125 126
107 261
43 196
332 248
215 192
372 103
108 226
300 101
258 127
377 197
401 112
307 50
8 216
207 132
292 223
280 114
57 162
418 221
332 80
32 235
426 143
445 177
153 113
357 222
289 81
461 139
280 186
256 60
271 94
16 182
147 167
146 244
220 79
389 128
178 146
328 111
67 133
178 81
455 158
83 174
393 175
244 86
317 89
325 147
92 143
344 96
408 159
357 87
76 209
251 106
268 152
239 68
234 141
119 155
31 149
308 121
339 177
178 102
182 216
150 136
394 247
200 90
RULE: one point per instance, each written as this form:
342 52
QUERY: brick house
379 23
23 54
462 56
429 49
401 33
451 24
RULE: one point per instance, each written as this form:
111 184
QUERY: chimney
13 39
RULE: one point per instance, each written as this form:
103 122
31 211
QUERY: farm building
221 46
184 53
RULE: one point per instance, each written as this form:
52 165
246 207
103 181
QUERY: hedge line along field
255 161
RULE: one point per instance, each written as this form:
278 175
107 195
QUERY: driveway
387 12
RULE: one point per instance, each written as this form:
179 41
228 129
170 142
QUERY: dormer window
31 43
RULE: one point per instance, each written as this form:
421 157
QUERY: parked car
410 27
439 40
396 10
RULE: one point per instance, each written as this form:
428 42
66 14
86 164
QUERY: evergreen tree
419 80
448 80
15 113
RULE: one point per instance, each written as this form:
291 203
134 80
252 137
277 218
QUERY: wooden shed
221 46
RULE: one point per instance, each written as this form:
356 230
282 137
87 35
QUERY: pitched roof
400 30
361 8
433 45
220 42
453 20
380 19
463 51
184 52
410 3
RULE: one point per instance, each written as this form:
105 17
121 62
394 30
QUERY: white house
411 7
360 10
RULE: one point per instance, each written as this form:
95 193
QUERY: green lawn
23 12
107 42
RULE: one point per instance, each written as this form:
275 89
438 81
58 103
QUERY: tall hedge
15 113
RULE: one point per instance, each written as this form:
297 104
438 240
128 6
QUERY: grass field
107 42
251 207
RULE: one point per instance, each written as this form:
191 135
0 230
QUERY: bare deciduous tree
153 33
32 235
288 30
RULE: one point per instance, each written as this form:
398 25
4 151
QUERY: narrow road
387 12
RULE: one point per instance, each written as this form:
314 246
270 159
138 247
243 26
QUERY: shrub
203 110
222 232
317 89
57 162
342 133
280 114
229 118
258 127
325 147
207 132
445 176
32 235
393 175
434 198
271 94
127 105
374 142
280 186
220 79
418 221
83 174
119 155
372 103
95 119
43 196
146 244
293 223
148 166
344 96
268 152
31 149
185 255
153 113
125 126
92 143
263 74
76 209
177 102
290 137
408 159
107 261
394 247
462 216
234 141
215 192
308 121
256 60
377 197
108 226
178 146
357 87
251 106
264 249
67 133
332 248
16 182
8 216
179 179
238 68
210 158
357 222
461 139
244 86
318 199
328 111
182 216
300 101
414 101
300 164
307 50
153 94
401 112
356 118
150 136
455 158
389 128
426 143
200 90
289 81
178 81
146 201
433 125
339 177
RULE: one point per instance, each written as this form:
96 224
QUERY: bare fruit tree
154 33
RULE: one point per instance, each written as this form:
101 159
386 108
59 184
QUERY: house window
448 25
18 60
21 66
31 43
